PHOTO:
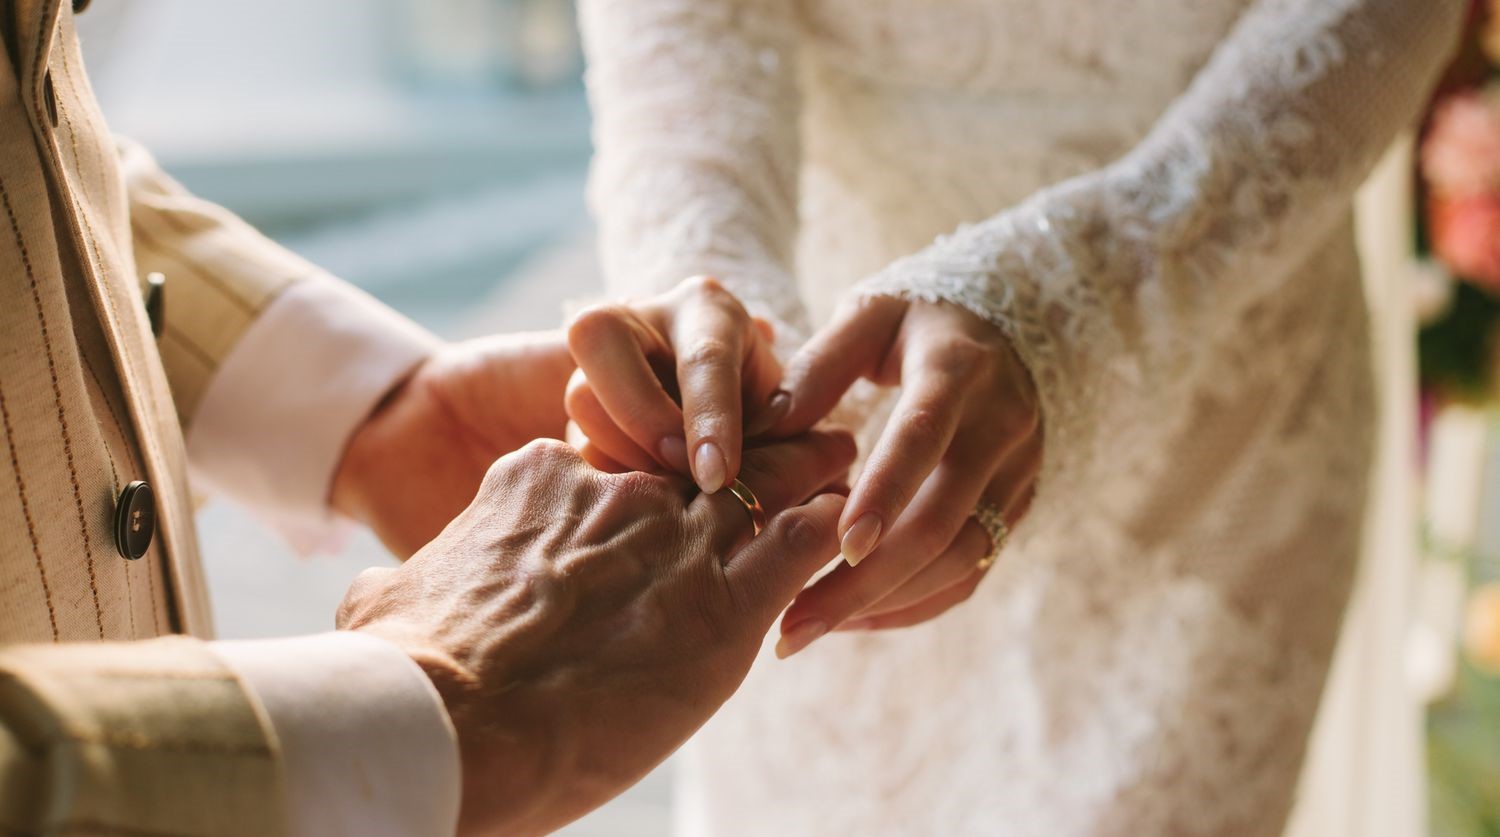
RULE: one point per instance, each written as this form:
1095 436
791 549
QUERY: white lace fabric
1152 200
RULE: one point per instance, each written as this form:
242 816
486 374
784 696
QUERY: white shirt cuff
276 415
368 749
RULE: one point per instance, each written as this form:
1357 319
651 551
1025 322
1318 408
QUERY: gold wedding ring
752 505
988 515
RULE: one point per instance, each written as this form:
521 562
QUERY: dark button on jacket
135 520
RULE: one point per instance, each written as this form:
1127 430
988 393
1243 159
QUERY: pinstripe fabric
220 269
148 737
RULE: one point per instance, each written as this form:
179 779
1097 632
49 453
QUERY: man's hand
580 625
420 456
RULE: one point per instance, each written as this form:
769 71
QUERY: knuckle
802 532
926 421
549 455
863 305
705 284
710 351
360 598
636 487
496 476
961 358
594 323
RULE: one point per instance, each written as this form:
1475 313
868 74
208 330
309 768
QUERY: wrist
358 471
510 754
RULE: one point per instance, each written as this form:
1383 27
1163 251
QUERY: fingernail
861 538
674 450
710 468
799 636
771 415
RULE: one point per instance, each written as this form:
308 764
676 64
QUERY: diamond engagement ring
988 515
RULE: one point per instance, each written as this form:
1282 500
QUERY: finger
711 332
765 402
959 561
849 348
920 431
920 540
613 347
768 571
1016 479
766 328
780 475
929 608
600 429
786 473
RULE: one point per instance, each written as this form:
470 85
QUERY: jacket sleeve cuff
367 745
275 418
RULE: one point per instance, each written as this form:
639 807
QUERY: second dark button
135 520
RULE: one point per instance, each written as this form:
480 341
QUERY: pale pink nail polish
709 467
861 538
799 636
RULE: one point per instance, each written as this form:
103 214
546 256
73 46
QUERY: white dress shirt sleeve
275 417
368 749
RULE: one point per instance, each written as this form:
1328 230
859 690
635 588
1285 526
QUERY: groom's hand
580 625
420 456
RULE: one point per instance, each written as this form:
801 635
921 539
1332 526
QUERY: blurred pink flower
1466 236
1461 155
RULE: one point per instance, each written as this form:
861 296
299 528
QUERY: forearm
336 733
143 737
695 108
1255 165
277 416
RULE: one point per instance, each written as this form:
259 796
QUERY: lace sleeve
1119 274
695 131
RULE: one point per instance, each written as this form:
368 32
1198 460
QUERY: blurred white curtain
1365 774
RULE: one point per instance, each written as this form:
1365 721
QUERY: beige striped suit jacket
99 733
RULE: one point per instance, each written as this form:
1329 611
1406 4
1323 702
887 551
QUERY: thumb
770 570
852 346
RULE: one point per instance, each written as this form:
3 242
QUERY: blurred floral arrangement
1459 295
1458 303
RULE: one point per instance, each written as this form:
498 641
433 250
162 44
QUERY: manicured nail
674 450
799 636
779 404
861 538
709 467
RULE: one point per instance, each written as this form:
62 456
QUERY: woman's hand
668 381
965 431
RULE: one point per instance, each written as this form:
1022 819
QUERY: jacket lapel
116 302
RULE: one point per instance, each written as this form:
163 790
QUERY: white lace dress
1152 198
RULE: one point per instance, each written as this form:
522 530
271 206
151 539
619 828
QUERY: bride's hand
668 381
965 431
